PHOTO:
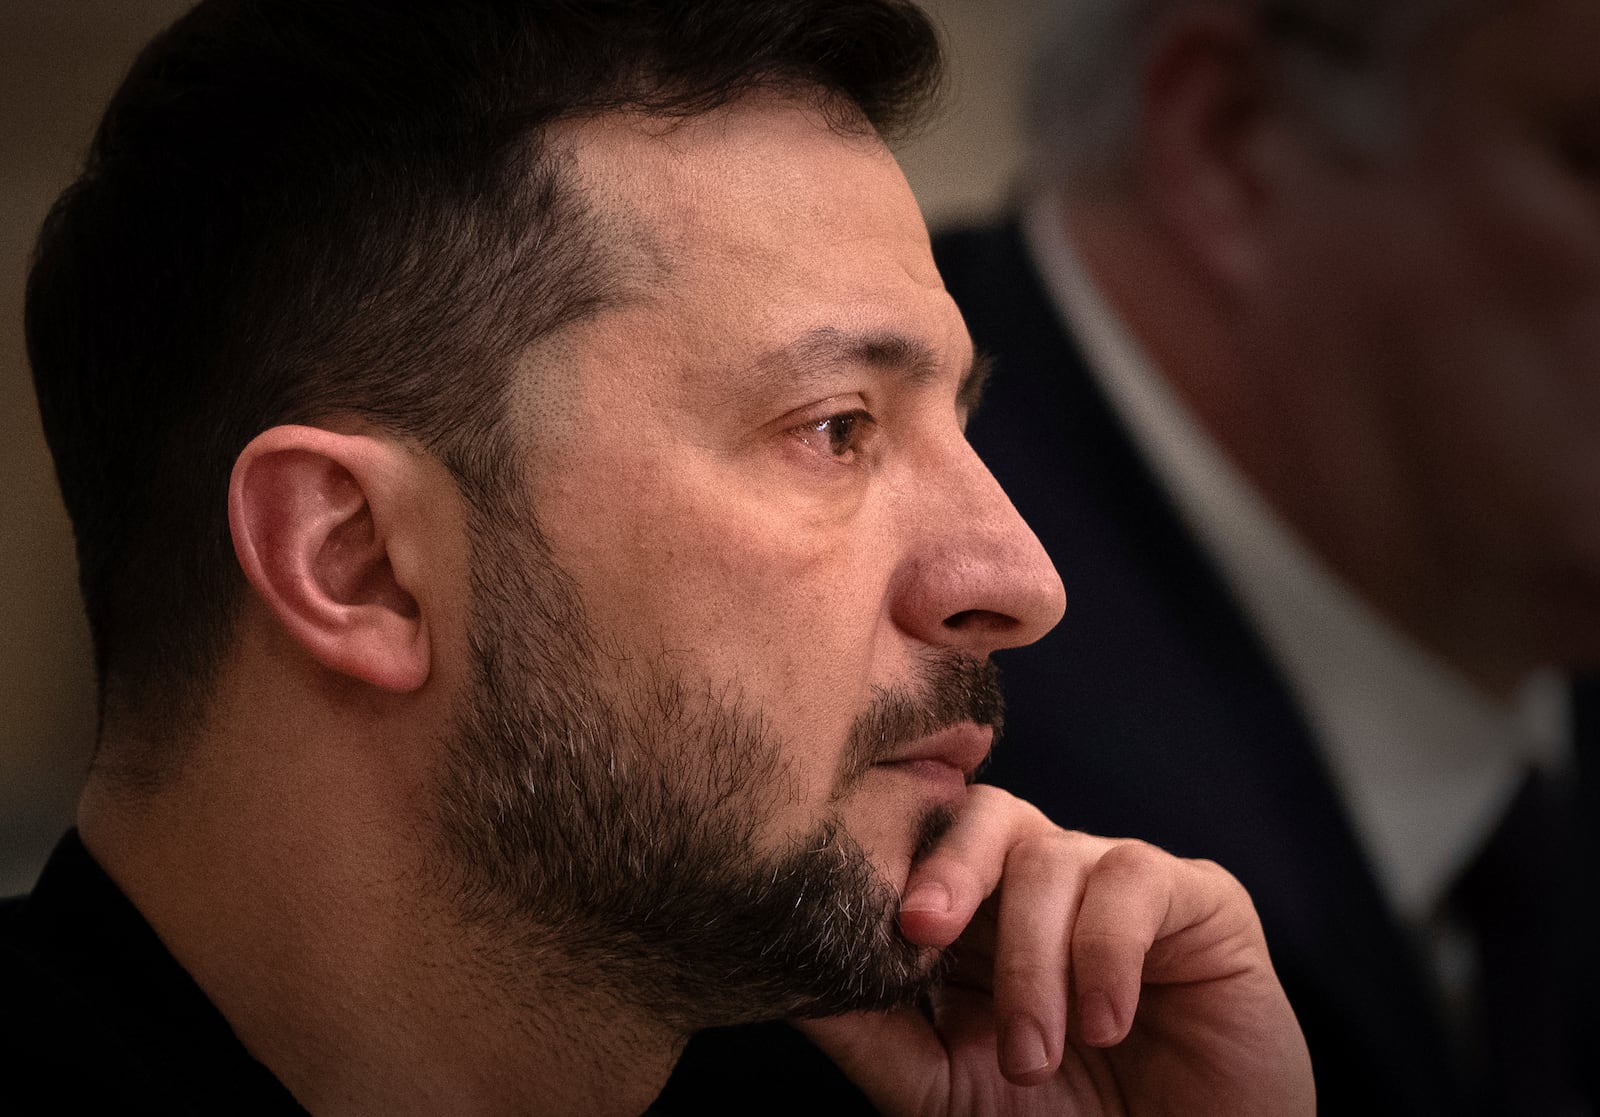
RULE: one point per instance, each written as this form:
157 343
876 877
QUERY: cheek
1494 365
700 559
1519 319
1531 237
699 575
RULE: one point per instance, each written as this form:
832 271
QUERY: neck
319 931
1305 439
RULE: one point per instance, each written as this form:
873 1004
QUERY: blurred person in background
1297 343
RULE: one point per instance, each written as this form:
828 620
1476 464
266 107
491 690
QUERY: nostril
981 620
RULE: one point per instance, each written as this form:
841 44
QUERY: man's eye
837 436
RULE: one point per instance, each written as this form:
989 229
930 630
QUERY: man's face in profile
716 715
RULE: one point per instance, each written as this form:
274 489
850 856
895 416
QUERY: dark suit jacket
1154 711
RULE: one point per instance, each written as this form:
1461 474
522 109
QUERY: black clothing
99 1018
758 1069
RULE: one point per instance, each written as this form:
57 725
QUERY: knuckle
1050 855
1219 877
1097 948
1133 857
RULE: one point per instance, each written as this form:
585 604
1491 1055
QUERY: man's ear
325 528
1206 106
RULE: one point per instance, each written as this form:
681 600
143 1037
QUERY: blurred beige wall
59 61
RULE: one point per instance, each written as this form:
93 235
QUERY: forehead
747 181
738 232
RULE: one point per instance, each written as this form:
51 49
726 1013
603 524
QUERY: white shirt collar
1425 760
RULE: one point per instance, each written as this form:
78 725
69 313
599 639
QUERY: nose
975 578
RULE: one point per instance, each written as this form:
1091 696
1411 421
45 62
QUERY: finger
1210 931
1134 895
894 1058
945 887
1039 897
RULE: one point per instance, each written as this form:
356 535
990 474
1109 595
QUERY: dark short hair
300 208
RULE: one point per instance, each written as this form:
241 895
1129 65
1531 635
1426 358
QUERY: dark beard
614 833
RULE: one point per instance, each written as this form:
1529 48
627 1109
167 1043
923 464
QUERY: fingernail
1098 1016
930 896
1022 1049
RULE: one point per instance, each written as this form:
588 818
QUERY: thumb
895 1058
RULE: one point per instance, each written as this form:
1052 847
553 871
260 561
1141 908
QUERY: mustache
951 689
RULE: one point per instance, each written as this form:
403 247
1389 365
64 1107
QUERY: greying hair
1348 63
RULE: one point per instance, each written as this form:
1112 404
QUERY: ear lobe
312 514
1205 101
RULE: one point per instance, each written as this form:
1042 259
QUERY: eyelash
840 435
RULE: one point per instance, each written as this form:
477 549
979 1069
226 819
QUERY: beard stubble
608 825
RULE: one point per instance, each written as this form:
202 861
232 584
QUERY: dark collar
103 1012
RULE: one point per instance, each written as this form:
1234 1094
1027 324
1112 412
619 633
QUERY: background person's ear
1205 102
323 528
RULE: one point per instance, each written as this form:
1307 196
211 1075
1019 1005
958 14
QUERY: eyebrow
814 353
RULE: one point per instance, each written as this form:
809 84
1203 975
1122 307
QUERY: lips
963 747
